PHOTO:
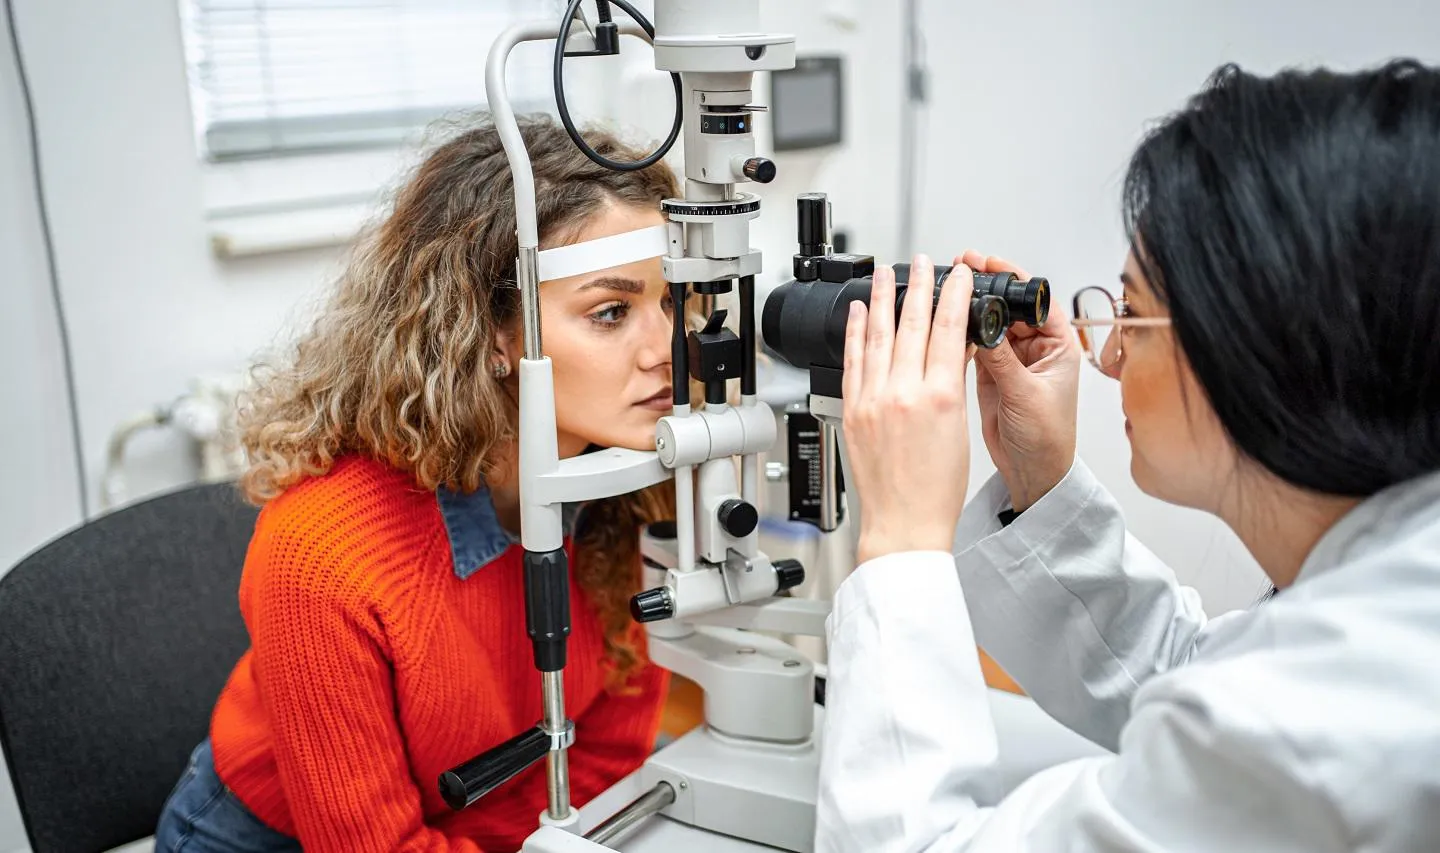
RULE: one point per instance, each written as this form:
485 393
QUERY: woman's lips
661 402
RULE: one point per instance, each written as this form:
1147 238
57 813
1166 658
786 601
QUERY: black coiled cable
564 110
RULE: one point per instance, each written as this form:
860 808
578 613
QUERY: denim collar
476 536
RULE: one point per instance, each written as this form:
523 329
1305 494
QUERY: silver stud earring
500 368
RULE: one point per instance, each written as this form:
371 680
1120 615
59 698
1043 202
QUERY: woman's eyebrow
624 285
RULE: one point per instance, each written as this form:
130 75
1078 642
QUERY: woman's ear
505 353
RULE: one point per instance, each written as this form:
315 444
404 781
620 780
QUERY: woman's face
607 335
1178 450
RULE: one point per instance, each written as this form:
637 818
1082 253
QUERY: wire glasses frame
1100 319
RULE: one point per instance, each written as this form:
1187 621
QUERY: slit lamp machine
750 772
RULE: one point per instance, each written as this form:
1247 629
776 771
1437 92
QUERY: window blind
278 76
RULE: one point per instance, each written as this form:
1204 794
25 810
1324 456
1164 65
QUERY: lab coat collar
1388 514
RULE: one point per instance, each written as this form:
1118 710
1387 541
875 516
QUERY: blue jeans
204 816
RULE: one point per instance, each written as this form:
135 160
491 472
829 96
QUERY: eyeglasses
1101 320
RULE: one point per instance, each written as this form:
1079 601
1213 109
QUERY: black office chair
115 640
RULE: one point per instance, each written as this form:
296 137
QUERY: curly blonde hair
395 366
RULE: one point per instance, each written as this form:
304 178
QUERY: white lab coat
1308 723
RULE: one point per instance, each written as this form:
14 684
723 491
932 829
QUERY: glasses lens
1102 342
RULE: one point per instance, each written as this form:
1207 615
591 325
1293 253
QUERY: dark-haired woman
1275 338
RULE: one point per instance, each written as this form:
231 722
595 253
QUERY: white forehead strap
602 253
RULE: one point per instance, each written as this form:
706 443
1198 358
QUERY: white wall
148 306
36 495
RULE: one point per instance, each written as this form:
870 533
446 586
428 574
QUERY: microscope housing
804 320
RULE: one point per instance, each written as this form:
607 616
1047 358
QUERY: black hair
1291 224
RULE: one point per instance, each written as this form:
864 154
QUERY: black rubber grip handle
547 607
463 785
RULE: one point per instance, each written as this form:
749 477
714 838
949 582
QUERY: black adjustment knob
759 170
652 605
738 517
788 574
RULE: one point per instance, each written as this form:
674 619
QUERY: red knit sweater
373 668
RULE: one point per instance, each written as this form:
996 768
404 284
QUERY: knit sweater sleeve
617 732
324 659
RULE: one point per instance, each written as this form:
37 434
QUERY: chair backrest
115 640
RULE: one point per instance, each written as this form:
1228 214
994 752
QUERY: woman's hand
1027 391
906 427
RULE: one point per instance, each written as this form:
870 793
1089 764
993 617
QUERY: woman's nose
655 344
1112 369
1112 355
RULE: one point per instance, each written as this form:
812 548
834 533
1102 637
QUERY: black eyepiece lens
1038 295
1027 299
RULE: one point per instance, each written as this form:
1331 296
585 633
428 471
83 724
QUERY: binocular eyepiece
999 299
804 320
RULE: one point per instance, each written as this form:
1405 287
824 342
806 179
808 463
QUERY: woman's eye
612 314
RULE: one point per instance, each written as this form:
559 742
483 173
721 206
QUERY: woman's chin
636 440
1153 483
632 428
646 443
1141 474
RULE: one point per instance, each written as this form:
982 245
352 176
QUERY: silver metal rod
557 765
557 779
553 684
829 471
620 824
527 272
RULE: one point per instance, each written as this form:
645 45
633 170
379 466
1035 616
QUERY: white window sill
269 232
281 204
